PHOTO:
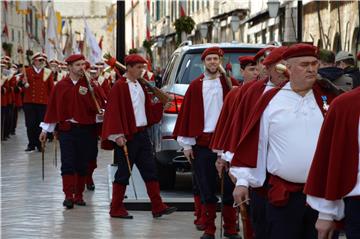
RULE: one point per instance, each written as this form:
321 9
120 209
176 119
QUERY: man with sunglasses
38 84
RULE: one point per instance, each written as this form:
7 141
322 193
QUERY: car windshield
192 66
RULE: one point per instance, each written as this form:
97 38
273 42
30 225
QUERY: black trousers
14 118
258 214
352 218
76 149
34 115
141 154
207 177
294 220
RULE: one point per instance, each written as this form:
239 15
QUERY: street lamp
273 6
234 24
203 30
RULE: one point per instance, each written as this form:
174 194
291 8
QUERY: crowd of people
284 142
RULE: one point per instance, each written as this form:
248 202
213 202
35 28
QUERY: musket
129 167
227 76
247 228
162 96
43 159
91 89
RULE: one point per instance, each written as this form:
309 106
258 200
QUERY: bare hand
189 155
221 166
325 228
42 137
232 177
241 195
120 141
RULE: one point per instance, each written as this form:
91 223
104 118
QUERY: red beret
212 50
274 56
245 60
262 52
134 59
301 49
87 65
75 57
358 56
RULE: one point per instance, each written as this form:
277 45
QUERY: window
12 35
157 10
19 36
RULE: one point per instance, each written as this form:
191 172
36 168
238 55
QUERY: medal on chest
325 104
83 90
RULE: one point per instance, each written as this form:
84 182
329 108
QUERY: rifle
91 89
43 159
129 167
162 96
227 76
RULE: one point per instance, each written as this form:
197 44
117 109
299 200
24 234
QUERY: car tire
167 176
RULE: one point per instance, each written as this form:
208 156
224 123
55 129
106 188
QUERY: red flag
182 11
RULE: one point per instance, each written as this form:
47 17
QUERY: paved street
32 208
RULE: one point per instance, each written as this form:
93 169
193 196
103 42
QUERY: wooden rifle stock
91 89
227 77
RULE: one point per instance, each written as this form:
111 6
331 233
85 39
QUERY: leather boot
158 208
89 177
68 189
79 189
229 216
117 208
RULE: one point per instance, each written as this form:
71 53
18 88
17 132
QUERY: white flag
52 47
93 51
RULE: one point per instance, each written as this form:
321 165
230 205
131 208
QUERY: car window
192 66
168 69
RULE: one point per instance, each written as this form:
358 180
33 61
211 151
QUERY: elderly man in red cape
237 123
73 109
279 140
333 184
128 113
194 128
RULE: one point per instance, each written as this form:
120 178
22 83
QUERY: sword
129 167
222 203
43 159
55 149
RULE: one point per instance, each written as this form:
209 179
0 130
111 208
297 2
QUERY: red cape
246 151
220 139
68 101
119 115
241 115
333 173
190 121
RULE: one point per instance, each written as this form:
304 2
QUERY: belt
354 198
141 128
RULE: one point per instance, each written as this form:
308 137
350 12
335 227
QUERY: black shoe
166 211
39 149
80 202
124 217
207 236
29 149
232 236
90 187
69 204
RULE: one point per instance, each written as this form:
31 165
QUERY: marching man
128 113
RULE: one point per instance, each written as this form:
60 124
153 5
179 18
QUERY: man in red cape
279 140
128 113
194 129
333 184
73 109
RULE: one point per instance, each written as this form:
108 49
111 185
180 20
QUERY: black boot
69 204
232 236
207 236
166 211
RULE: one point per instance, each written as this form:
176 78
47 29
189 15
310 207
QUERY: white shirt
334 210
213 100
49 128
289 130
37 70
137 96
228 156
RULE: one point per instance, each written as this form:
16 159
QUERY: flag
92 50
101 41
22 7
52 46
111 18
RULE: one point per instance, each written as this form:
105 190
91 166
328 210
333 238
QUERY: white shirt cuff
48 128
113 137
186 142
242 182
228 156
325 216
